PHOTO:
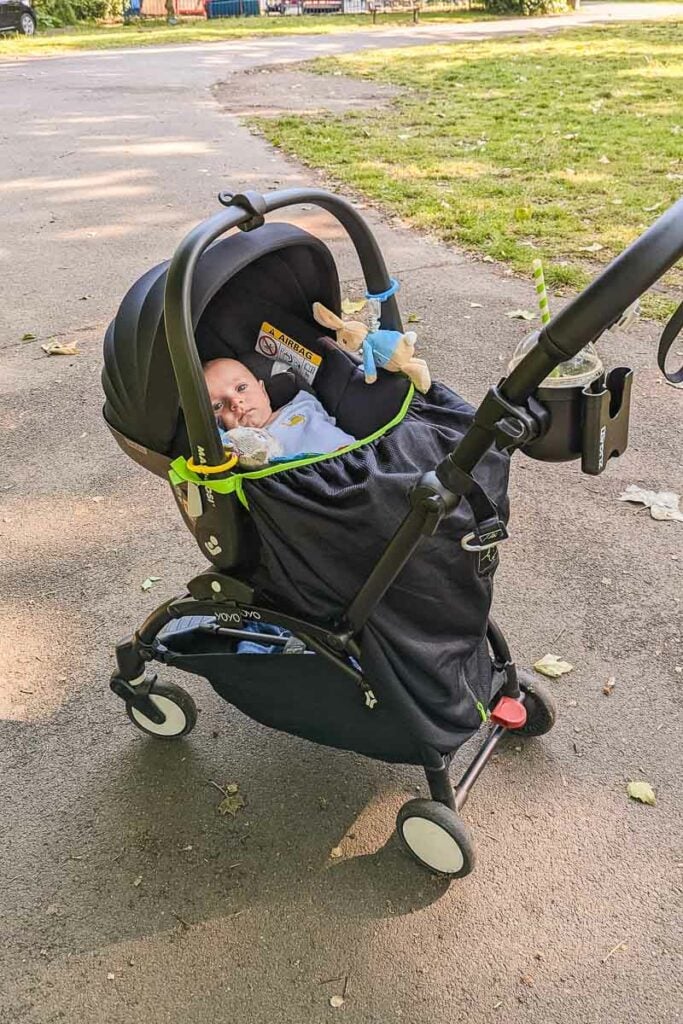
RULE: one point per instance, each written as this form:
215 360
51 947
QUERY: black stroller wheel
540 706
177 707
436 837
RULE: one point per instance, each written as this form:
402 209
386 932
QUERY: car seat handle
247 210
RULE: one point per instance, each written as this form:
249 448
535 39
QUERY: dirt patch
270 93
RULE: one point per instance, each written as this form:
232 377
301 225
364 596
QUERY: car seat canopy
273 274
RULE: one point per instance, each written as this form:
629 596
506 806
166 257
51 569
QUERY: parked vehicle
17 16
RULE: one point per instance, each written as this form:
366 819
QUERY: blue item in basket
293 645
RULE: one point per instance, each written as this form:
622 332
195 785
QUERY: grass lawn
155 32
563 146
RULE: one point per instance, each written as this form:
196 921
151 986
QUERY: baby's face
238 399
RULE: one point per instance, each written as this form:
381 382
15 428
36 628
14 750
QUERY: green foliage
526 7
55 13
61 13
91 10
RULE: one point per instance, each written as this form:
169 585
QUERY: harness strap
489 528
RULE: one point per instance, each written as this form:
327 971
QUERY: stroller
362 579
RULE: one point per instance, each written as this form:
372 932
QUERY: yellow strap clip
210 470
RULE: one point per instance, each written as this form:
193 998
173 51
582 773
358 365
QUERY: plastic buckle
513 425
487 535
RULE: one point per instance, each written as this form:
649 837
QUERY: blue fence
232 8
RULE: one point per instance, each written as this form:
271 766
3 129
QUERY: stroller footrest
509 713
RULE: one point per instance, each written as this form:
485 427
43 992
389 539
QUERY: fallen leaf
552 666
604 159
137 881
613 950
522 213
149 582
232 788
413 318
593 247
231 805
350 306
336 852
642 791
488 259
476 305
54 348
520 314
609 686
111 976
98 498
655 206
336 1001
28 336
663 505
570 135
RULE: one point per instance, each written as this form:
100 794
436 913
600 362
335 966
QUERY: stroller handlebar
179 322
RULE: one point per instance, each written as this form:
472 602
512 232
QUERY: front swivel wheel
176 706
436 837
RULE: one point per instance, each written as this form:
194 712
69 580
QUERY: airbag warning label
279 346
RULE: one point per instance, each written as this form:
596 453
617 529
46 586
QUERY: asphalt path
124 895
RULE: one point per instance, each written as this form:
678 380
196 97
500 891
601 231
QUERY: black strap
488 526
669 335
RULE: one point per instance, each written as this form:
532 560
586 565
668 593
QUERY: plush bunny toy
389 349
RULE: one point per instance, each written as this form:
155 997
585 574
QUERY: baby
238 399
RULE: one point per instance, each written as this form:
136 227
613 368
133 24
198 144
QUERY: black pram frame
509 418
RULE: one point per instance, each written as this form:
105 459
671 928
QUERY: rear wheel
177 707
436 837
540 706
27 24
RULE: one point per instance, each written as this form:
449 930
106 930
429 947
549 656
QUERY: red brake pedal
509 713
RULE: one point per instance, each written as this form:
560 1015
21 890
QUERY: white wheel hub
175 717
433 845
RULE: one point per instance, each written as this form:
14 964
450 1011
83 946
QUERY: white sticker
280 347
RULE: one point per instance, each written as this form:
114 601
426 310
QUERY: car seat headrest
282 388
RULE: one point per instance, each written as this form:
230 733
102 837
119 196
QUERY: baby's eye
242 387
217 406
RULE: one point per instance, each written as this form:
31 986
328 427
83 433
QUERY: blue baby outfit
303 425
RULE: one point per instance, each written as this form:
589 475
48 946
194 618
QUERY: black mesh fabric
324 526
